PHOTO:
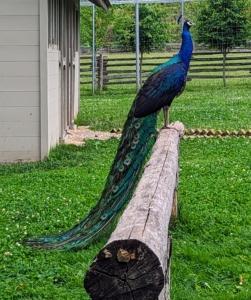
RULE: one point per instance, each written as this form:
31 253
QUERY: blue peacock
165 82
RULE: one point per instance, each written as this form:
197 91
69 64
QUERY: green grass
105 110
211 237
48 197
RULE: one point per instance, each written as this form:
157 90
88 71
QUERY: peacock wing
160 89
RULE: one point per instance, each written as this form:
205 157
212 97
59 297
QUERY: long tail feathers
137 140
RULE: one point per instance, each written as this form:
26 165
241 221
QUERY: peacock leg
166 119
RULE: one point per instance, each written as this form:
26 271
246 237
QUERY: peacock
165 82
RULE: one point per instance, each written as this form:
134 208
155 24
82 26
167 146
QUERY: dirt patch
81 133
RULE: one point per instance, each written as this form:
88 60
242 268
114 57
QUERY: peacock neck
186 49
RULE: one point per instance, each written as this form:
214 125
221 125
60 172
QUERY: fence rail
122 70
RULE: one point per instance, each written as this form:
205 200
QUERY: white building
39 76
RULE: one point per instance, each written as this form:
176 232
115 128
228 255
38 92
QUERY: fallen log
135 263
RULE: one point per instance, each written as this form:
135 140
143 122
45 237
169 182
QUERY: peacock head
188 24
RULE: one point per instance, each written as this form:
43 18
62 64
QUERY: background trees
103 21
220 25
157 26
153 27
223 25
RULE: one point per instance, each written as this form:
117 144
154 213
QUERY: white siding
53 94
19 81
19 69
19 99
8 23
19 114
19 53
30 82
18 37
19 8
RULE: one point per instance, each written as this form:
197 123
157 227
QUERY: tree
223 25
102 23
152 27
86 26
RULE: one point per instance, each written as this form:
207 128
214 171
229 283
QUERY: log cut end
125 269
178 126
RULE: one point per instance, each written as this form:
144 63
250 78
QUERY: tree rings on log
125 270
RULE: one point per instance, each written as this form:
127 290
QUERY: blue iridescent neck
186 49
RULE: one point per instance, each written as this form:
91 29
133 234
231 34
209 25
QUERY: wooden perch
135 262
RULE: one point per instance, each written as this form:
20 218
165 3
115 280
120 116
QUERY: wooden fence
112 69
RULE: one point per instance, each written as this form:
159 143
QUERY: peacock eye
137 125
127 162
115 188
96 227
103 217
121 168
129 155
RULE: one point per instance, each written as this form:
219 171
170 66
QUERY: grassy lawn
203 104
212 240
212 237
49 197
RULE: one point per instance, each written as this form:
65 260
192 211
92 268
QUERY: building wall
19 81
38 95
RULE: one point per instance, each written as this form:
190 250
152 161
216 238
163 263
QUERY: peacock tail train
136 141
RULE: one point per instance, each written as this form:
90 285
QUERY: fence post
101 72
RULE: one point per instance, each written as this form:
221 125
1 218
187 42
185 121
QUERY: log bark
135 263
